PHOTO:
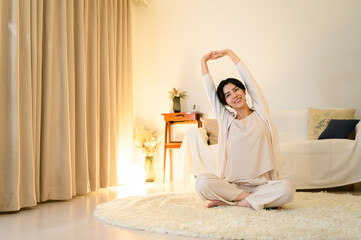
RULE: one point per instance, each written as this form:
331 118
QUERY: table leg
165 149
171 165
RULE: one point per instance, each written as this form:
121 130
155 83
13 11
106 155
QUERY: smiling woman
247 174
232 92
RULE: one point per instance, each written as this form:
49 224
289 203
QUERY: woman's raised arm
221 53
252 86
204 61
221 112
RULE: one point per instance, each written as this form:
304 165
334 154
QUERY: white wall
303 53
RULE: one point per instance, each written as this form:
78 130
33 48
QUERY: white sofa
309 164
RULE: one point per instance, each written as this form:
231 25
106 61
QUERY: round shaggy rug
311 216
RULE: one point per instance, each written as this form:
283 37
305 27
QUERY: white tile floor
74 219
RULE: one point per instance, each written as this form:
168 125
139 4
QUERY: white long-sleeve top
249 149
225 119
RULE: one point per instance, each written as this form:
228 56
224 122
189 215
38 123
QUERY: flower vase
176 104
149 169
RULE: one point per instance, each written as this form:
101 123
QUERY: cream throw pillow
318 119
211 126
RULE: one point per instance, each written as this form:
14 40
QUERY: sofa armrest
196 154
201 132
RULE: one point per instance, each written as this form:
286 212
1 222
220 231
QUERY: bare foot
244 203
216 203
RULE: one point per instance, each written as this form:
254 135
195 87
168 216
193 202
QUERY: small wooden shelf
176 118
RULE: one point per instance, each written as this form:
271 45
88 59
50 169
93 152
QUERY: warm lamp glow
124 159
131 174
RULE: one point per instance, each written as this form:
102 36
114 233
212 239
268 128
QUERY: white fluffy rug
310 216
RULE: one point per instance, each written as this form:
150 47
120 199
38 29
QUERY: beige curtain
65 97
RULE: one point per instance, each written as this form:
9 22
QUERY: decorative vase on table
176 104
149 169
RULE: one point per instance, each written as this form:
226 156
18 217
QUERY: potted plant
176 95
195 108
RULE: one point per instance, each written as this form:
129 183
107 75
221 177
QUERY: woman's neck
243 113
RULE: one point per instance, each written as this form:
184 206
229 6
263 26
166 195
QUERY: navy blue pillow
339 128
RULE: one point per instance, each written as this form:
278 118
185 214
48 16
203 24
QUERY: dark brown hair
223 83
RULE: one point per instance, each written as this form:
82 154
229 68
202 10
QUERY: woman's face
235 96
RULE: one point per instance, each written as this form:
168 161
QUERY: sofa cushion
339 128
211 126
318 119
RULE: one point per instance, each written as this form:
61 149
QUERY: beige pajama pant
274 193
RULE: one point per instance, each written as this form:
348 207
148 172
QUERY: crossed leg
221 192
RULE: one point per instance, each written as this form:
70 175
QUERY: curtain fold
65 98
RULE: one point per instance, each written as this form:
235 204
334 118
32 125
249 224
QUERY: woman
247 143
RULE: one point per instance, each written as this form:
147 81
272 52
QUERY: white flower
146 141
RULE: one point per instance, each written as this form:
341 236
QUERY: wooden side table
176 118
